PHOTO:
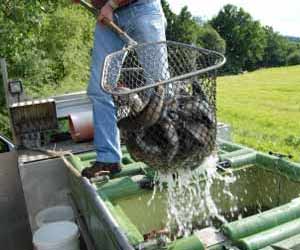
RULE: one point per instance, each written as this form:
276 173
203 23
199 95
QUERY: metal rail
83 228
122 240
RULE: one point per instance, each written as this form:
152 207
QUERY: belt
137 1
99 4
130 2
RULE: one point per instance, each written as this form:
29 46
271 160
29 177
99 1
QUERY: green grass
263 108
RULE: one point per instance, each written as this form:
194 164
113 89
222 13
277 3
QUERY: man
145 22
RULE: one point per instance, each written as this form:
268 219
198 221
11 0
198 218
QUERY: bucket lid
55 233
54 214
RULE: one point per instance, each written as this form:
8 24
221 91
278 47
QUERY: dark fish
142 148
170 133
148 116
193 108
156 146
133 101
199 131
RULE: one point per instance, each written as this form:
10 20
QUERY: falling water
189 198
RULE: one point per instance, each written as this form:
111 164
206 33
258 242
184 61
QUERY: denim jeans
144 21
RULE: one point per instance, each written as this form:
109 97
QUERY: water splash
189 199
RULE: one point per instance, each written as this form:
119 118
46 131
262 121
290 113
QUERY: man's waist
100 3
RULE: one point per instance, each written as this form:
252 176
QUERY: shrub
294 58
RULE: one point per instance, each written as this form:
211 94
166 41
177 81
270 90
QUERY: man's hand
106 12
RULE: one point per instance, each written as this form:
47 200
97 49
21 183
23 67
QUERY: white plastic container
54 214
63 235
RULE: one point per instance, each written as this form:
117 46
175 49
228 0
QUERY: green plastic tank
266 212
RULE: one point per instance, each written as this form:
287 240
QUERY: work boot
101 168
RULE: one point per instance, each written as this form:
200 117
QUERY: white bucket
54 214
63 235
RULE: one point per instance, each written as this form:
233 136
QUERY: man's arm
108 9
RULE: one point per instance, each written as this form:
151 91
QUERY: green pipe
221 152
87 156
131 169
118 188
243 160
289 243
271 236
293 167
235 153
284 167
260 222
188 243
229 146
268 161
75 161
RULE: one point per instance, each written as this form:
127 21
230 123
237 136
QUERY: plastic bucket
63 235
54 214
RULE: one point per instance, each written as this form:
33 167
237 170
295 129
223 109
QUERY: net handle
113 26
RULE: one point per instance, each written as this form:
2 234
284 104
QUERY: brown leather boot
101 168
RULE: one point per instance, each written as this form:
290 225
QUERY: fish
199 131
170 132
156 146
148 115
193 108
141 149
171 135
133 101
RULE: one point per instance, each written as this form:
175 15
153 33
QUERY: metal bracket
281 155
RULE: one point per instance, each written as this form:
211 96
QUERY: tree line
247 44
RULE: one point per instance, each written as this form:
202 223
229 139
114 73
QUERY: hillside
293 39
263 108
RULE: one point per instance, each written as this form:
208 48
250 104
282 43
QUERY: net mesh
165 99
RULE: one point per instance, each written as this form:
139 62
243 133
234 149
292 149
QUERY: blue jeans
144 21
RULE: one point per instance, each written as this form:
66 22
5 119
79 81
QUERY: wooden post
5 80
7 96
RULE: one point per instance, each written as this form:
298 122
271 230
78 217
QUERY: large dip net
165 98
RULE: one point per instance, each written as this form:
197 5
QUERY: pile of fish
170 132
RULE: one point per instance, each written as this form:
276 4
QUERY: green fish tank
264 214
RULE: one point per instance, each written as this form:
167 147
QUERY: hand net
165 98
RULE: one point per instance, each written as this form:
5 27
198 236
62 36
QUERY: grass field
263 108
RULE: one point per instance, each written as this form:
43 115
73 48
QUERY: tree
192 30
182 27
245 38
294 58
276 50
47 44
293 47
209 38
